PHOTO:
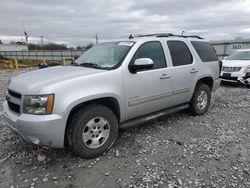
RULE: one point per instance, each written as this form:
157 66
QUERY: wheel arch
208 80
110 102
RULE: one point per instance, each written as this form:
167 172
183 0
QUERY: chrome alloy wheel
202 100
96 132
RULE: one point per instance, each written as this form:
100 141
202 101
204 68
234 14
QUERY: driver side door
150 90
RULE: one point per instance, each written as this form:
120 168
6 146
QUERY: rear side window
205 51
180 53
154 51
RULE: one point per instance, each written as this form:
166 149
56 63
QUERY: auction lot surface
174 151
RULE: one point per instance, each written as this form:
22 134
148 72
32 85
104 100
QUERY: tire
92 130
199 105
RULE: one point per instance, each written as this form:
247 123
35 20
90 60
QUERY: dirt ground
174 151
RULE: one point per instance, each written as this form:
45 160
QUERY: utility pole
42 41
96 39
42 47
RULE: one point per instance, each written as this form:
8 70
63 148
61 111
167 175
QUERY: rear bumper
44 130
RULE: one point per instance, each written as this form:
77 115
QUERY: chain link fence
51 55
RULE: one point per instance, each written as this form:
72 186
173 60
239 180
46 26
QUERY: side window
205 51
180 53
154 51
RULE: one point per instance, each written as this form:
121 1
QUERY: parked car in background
236 67
113 85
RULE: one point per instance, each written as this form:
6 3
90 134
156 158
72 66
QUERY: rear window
205 51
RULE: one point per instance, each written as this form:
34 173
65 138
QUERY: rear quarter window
205 51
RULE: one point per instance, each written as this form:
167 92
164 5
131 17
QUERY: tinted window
180 53
154 51
205 51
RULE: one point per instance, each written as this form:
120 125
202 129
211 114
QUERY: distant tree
88 46
79 47
49 46
1 41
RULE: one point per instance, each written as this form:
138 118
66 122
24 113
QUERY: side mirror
141 64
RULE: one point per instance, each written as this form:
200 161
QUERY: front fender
95 97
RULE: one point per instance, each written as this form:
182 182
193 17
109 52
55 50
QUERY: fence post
16 63
64 61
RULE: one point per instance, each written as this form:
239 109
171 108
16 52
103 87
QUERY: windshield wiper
92 65
74 63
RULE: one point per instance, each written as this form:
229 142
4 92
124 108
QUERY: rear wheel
201 99
93 130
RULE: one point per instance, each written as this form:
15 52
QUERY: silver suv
111 86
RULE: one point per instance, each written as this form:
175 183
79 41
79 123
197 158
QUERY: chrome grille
14 101
14 94
14 107
231 69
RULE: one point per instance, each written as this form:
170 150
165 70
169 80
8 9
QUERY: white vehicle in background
236 67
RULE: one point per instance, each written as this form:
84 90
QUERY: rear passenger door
183 71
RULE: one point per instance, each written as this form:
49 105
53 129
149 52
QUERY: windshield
105 55
239 55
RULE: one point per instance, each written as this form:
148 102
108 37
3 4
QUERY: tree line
51 46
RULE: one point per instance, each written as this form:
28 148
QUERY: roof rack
165 35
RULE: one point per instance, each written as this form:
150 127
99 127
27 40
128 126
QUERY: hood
235 63
35 80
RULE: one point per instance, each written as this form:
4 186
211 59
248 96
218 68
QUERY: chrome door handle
194 71
164 76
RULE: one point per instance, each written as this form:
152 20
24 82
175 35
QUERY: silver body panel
137 94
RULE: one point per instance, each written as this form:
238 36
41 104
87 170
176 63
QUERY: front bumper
44 130
235 77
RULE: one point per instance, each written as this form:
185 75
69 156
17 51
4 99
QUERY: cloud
78 21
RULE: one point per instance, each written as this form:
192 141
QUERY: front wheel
93 130
200 100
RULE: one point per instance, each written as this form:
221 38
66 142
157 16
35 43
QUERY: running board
152 116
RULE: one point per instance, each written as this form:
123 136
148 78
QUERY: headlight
40 104
247 69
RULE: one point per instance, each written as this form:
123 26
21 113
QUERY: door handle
194 71
164 76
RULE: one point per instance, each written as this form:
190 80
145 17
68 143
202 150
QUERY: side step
143 119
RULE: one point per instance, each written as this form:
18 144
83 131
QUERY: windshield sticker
126 44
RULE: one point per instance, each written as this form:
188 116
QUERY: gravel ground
174 151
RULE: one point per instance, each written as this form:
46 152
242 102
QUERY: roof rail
165 35
152 35
189 36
